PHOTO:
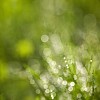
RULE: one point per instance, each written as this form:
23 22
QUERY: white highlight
64 82
44 38
72 84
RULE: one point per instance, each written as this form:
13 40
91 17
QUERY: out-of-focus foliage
49 49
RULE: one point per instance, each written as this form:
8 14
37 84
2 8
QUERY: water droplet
59 80
59 66
47 52
65 61
53 94
91 60
72 84
66 65
44 38
55 70
84 88
64 58
51 87
70 88
37 91
47 91
53 63
45 86
64 82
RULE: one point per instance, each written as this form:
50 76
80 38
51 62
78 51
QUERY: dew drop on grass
64 82
66 65
59 66
64 58
44 38
45 86
51 87
59 80
53 94
91 60
70 88
47 91
37 91
72 84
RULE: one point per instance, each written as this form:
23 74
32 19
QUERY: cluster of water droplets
67 75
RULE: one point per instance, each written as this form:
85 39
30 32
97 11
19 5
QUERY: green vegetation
49 49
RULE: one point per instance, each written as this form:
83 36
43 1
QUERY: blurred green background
38 38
